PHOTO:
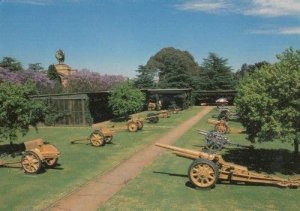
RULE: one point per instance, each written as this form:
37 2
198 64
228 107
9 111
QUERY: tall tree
145 78
249 69
170 61
11 64
268 101
216 74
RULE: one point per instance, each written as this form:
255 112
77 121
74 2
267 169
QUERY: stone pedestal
63 70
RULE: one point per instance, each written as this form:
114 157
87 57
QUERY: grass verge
78 164
163 185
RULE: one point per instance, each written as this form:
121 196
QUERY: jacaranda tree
39 79
87 81
268 101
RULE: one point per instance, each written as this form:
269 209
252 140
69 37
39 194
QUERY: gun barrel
187 153
202 132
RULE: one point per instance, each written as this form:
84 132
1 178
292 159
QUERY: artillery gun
220 126
135 123
206 169
225 113
36 154
152 118
216 141
100 136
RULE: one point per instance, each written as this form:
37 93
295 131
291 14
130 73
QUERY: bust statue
60 56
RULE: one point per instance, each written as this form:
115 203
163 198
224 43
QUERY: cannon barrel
202 132
187 153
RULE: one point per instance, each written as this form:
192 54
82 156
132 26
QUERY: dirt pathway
95 193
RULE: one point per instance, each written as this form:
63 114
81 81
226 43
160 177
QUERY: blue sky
116 36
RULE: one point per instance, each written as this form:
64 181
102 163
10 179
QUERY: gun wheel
203 173
132 127
31 162
97 139
221 128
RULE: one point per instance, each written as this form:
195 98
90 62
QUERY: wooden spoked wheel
132 127
51 162
97 139
31 162
203 173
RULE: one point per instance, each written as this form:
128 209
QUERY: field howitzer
225 113
35 155
206 169
216 141
100 136
220 126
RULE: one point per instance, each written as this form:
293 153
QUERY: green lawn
163 185
78 164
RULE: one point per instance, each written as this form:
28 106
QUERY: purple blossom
20 77
87 81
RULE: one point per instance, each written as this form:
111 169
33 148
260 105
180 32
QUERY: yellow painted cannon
35 155
221 126
206 169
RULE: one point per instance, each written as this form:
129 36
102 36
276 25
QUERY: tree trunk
296 147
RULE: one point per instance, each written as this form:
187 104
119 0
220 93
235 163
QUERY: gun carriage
35 155
206 169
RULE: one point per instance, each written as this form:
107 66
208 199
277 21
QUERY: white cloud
204 5
281 31
264 8
273 8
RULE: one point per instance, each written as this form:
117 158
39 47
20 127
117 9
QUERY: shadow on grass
170 174
270 161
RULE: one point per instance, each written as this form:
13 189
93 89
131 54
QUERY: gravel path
95 193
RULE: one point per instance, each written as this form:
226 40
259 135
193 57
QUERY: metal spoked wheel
31 162
132 127
97 139
203 173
